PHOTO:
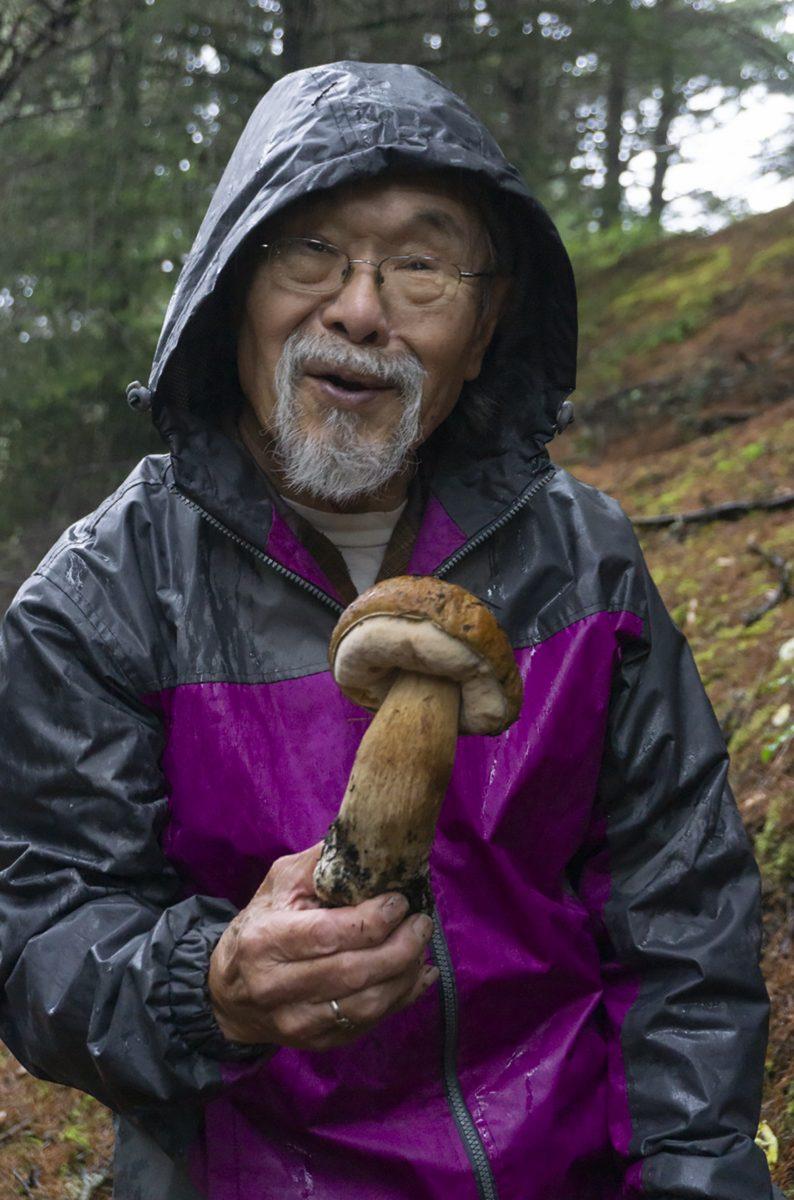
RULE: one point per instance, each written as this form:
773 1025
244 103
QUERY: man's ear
495 303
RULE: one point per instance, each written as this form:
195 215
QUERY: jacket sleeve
680 930
102 961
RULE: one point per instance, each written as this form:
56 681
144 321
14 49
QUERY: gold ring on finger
342 1021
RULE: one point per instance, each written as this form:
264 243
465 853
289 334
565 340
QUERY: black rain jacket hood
328 125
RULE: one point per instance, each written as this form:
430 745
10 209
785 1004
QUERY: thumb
290 881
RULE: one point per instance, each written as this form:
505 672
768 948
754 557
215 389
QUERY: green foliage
690 289
595 251
771 748
779 253
752 451
76 1136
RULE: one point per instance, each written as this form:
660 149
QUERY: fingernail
394 906
422 926
429 976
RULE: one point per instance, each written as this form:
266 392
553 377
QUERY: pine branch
22 1127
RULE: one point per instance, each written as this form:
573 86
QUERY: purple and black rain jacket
169 727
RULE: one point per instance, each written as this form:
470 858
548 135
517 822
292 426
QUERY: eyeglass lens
414 279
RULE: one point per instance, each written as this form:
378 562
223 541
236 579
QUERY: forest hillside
685 404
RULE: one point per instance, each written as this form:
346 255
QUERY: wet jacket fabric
169 727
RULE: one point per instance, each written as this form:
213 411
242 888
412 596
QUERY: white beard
335 460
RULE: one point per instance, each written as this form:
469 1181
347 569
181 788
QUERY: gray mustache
399 370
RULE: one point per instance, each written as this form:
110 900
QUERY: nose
357 309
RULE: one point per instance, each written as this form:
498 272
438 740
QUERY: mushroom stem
381 839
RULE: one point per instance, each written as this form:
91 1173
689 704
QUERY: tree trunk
617 87
520 84
661 145
298 18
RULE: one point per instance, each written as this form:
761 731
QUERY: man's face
341 338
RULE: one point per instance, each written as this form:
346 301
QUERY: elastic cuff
189 998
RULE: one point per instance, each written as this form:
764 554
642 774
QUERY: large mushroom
432 662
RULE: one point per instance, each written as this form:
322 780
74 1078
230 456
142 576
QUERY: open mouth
343 384
351 385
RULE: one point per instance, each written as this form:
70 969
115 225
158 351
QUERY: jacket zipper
485 533
444 569
278 567
467 1130
464 1122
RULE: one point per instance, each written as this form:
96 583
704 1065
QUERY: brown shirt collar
398 551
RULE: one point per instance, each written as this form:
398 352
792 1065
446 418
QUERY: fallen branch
781 592
7 1134
731 510
28 1184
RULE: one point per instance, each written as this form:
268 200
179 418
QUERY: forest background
116 119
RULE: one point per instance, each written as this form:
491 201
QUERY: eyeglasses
408 280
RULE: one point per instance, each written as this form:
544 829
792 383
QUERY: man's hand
284 958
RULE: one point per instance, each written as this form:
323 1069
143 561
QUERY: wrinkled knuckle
261 987
323 932
249 941
370 1007
290 1024
353 976
257 993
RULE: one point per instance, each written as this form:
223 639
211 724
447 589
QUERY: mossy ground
678 306
679 337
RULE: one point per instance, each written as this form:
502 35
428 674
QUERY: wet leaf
765 1138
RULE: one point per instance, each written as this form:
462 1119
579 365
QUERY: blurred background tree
117 116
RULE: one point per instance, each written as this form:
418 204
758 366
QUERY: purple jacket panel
437 539
258 770
285 547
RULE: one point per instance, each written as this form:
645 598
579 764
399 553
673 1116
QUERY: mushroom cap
420 623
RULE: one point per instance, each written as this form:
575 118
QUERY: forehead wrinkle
440 221
320 216
436 220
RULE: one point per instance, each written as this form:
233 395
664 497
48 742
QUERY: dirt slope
685 336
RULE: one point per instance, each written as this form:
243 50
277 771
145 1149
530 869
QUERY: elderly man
369 346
